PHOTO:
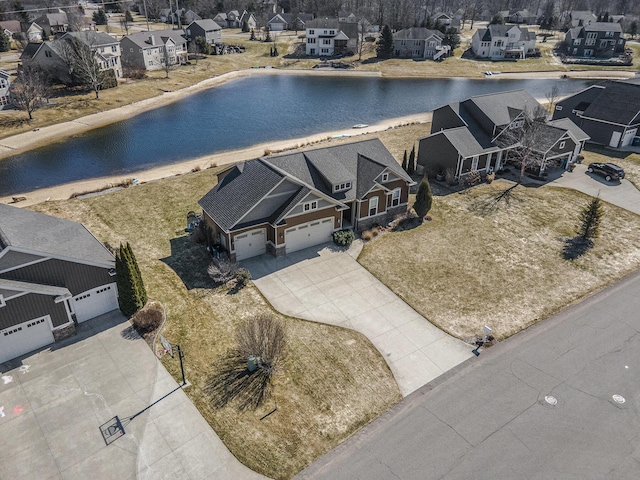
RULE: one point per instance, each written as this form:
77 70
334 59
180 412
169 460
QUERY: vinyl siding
76 277
29 306
436 154
444 118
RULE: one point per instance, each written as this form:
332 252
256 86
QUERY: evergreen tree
99 17
411 166
590 218
252 37
424 198
405 165
127 16
5 42
451 38
245 27
127 300
275 50
497 20
384 49
268 36
140 290
633 29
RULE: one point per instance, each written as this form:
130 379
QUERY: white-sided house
327 37
288 202
499 42
53 274
35 33
5 89
147 49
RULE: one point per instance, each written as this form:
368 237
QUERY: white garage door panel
309 234
93 303
628 137
24 338
615 138
250 244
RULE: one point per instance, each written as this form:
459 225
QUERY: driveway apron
327 285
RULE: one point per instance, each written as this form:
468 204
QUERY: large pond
239 114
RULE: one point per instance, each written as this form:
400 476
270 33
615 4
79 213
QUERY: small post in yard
181 357
487 331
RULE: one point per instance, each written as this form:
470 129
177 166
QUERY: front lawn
333 382
468 268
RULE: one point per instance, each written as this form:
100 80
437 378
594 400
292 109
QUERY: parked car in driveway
609 171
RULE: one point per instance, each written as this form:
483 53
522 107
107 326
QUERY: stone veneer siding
383 219
64 332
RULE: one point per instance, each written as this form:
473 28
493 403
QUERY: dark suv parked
609 171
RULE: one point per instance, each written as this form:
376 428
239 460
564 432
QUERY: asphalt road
489 418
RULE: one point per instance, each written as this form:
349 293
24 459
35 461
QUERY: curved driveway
328 285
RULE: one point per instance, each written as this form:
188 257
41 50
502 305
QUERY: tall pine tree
384 49
404 162
141 291
412 161
590 218
424 198
127 299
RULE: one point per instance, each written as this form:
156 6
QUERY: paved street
53 402
560 400
328 285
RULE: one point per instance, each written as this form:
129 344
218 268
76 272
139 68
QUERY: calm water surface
239 114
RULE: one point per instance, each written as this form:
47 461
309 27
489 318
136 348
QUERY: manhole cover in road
618 399
551 400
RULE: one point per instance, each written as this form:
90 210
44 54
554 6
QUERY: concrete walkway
623 194
328 285
53 402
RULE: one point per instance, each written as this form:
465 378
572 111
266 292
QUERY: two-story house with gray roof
499 42
207 28
418 42
481 134
150 50
284 203
328 37
595 40
53 274
608 112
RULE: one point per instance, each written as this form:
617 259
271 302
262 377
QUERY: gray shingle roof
92 38
16 286
567 124
323 23
503 107
416 33
465 143
619 102
239 191
359 163
51 235
603 27
547 136
207 24
142 38
30 50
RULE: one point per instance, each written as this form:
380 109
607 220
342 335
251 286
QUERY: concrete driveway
328 285
623 194
53 402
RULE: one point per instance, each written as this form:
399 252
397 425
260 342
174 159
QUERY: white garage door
95 302
24 338
628 137
250 244
308 234
615 138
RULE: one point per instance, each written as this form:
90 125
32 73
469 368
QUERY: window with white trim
395 197
2 304
385 177
373 206
562 144
342 186
306 207
558 107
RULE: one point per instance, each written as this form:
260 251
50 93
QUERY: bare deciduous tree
245 373
86 68
552 96
30 89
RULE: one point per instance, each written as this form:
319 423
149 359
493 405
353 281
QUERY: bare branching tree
169 58
245 373
86 67
30 89
362 33
552 96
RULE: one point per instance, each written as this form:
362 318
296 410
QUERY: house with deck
207 28
152 50
326 37
595 40
418 42
501 42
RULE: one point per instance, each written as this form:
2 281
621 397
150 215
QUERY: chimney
152 40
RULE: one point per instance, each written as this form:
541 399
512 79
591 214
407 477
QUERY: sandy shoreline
29 140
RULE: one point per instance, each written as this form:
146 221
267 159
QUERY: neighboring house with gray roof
326 37
418 42
608 112
479 134
207 28
10 27
150 50
221 19
288 202
499 42
53 23
50 55
53 274
5 89
595 40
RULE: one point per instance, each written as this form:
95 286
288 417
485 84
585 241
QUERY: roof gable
618 102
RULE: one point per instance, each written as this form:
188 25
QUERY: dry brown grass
464 270
333 381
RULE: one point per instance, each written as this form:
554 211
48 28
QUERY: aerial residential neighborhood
319 241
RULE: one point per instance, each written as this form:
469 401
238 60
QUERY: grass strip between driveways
468 268
333 382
